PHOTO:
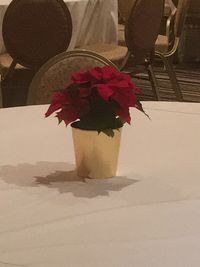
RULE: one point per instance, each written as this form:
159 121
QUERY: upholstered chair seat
6 60
114 53
162 43
121 35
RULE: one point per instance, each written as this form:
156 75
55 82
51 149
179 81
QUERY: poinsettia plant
96 99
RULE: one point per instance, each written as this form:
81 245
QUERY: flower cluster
98 98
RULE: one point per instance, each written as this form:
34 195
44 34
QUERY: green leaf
140 107
59 120
109 132
73 87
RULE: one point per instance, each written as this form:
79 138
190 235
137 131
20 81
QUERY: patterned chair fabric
55 74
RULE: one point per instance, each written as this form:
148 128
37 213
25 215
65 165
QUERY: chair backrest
36 30
176 2
124 8
142 27
55 74
182 9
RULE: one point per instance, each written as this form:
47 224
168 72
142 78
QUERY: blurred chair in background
141 30
166 45
189 48
33 31
167 42
124 9
55 74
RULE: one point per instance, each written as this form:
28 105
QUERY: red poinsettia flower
80 98
124 114
59 99
71 107
117 86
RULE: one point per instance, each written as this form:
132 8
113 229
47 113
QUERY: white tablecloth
93 21
148 216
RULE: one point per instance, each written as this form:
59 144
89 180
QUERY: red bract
106 83
119 87
59 99
71 107
80 77
69 114
124 114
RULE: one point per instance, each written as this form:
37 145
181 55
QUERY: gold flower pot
96 153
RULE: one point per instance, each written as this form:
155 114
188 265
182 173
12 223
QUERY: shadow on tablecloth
62 177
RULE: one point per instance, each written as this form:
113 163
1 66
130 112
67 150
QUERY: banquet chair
33 31
55 74
124 8
167 45
124 12
141 31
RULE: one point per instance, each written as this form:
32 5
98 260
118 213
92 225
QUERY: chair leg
172 76
124 62
153 81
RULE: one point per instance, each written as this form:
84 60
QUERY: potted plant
96 104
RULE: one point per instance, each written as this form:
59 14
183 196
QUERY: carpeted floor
188 77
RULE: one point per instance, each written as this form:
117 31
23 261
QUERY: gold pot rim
93 130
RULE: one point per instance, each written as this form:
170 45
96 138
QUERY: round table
93 21
147 216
